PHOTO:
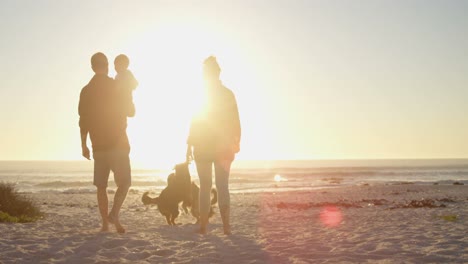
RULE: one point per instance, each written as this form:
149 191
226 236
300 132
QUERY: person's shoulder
110 80
227 92
107 81
129 72
98 81
106 78
86 88
130 76
130 79
125 74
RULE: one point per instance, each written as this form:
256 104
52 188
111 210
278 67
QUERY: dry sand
356 224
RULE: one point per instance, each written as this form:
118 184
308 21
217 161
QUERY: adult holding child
105 120
214 139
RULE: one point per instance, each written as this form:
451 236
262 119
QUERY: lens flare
331 216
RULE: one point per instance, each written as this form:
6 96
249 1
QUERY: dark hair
99 60
122 59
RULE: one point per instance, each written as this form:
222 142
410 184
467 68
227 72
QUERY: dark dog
179 189
195 202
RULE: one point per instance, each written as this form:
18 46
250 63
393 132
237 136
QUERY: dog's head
170 179
182 169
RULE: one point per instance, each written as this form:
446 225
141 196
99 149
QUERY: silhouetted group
213 140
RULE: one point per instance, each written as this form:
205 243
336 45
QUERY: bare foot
113 220
203 225
120 228
227 230
201 231
104 228
110 218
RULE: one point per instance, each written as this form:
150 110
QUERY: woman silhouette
215 139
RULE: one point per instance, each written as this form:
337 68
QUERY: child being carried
125 82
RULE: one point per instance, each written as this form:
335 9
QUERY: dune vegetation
15 207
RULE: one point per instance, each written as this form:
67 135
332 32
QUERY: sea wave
77 177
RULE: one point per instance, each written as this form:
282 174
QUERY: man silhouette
106 123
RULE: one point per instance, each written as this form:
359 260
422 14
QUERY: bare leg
122 177
224 201
203 224
225 214
119 198
103 205
204 170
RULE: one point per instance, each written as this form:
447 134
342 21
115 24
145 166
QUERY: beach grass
15 207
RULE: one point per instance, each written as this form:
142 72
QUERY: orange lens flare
331 216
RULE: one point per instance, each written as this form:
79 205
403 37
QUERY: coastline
246 176
375 223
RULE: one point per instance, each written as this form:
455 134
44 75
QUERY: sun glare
278 178
167 61
169 93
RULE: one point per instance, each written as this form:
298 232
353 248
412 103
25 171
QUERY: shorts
117 161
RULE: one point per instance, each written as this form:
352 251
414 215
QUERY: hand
85 152
189 155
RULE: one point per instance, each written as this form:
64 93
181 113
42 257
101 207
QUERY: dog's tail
214 200
148 200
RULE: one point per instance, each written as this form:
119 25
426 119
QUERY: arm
129 84
236 126
83 123
84 147
133 86
189 152
125 86
131 106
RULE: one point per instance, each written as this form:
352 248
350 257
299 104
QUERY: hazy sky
313 79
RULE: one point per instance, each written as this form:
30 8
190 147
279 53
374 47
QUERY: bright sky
313 79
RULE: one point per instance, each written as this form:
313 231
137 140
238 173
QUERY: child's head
121 63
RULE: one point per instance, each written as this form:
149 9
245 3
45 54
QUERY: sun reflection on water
279 178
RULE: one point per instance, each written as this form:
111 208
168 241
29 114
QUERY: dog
194 204
180 189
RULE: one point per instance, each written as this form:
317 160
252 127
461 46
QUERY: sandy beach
398 223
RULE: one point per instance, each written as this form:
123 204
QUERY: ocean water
246 176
